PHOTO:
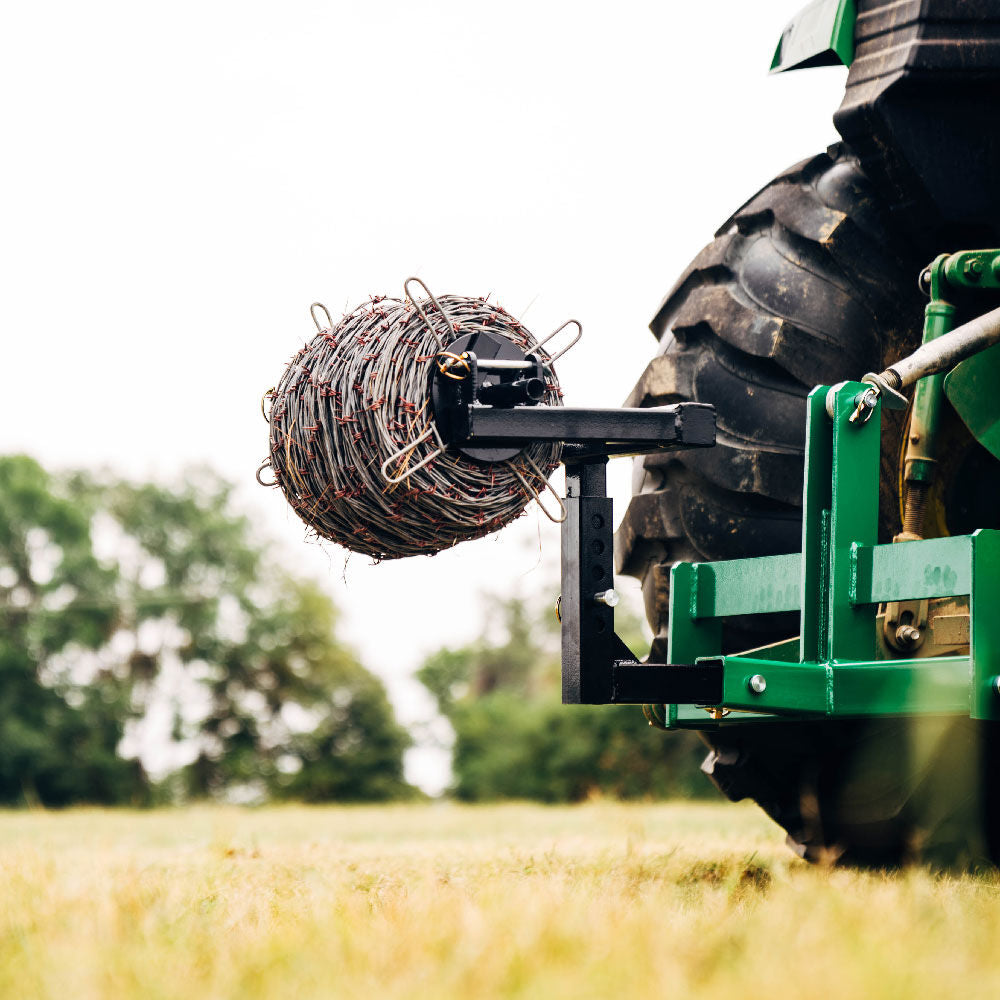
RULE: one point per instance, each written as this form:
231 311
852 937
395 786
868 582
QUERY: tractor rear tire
804 285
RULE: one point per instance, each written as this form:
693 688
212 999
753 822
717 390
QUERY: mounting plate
447 393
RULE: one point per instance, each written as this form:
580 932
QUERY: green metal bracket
975 269
821 34
972 390
972 387
836 584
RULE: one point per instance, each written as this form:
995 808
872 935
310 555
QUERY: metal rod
489 365
945 352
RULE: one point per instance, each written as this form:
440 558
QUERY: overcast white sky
181 180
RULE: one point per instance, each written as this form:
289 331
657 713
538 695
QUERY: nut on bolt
973 269
757 684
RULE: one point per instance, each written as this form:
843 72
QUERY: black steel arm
597 667
595 431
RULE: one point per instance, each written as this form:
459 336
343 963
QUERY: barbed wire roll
353 445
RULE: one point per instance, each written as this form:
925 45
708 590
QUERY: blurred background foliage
134 613
142 621
514 739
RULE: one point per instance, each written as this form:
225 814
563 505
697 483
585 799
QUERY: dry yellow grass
440 901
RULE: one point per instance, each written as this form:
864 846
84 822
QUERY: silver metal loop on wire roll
353 444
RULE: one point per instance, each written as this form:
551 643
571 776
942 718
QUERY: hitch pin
867 401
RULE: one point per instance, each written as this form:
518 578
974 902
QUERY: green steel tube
920 460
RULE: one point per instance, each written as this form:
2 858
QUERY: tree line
137 612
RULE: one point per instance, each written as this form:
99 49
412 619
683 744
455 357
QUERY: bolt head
608 597
757 684
973 269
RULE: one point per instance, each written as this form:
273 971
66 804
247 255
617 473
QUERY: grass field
438 901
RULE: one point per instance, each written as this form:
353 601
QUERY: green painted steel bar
911 571
815 526
800 688
853 521
936 685
747 586
984 625
689 637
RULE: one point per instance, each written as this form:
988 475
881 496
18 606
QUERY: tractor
835 580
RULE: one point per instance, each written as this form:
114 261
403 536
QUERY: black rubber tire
803 285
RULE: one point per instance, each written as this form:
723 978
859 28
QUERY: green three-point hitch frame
837 584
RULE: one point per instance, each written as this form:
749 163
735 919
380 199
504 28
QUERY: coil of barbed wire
353 445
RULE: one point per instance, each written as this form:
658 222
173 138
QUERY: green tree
514 738
58 737
292 709
127 602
